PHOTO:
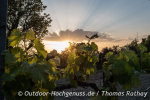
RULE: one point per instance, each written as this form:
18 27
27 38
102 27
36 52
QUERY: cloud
78 35
131 38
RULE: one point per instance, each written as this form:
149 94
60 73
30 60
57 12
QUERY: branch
68 86
30 45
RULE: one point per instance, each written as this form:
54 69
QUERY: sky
117 22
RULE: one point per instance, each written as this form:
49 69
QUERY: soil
144 78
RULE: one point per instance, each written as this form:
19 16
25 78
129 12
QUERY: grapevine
26 72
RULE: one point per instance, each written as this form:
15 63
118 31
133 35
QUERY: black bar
3 23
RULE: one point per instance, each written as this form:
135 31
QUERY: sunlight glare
59 46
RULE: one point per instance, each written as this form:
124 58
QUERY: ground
144 78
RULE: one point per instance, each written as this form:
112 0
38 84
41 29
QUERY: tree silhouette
26 15
146 43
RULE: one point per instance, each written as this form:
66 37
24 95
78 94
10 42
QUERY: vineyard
36 73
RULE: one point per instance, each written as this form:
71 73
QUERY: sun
59 46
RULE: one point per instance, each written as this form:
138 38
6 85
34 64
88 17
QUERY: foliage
26 15
34 74
146 43
24 73
125 68
122 68
82 60
104 51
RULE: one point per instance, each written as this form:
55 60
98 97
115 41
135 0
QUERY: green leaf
30 35
40 48
10 58
14 38
129 69
109 54
71 58
49 67
89 59
94 36
92 69
38 73
31 60
94 46
79 60
50 84
18 53
26 67
11 88
142 48
112 59
10 76
87 71
136 81
94 59
119 66
15 50
22 82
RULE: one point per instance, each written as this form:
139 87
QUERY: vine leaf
30 35
49 67
71 58
18 53
79 60
14 38
136 81
94 59
10 76
87 71
108 55
50 84
94 46
94 36
38 73
25 67
10 58
40 48
32 59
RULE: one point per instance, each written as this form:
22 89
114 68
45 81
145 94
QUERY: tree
146 43
26 14
133 46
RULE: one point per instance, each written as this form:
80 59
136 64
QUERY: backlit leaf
94 46
14 38
30 35
40 48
